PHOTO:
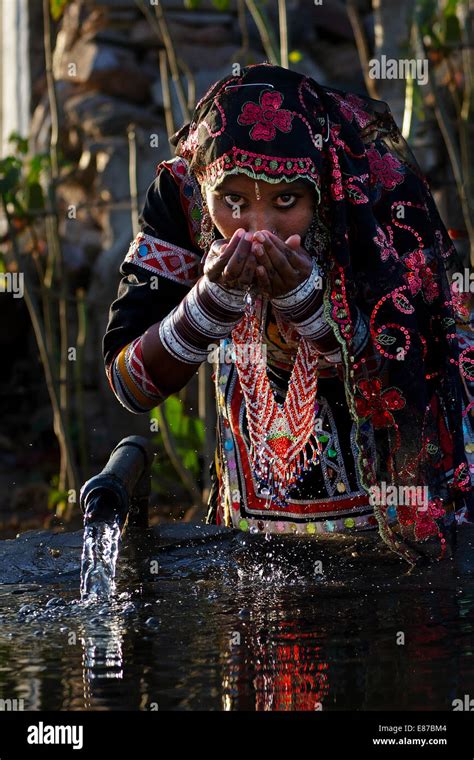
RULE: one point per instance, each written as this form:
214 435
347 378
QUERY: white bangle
301 293
232 298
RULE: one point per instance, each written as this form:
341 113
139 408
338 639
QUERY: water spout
117 495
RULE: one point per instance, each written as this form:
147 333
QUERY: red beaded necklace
279 433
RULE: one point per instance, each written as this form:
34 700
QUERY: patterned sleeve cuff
131 382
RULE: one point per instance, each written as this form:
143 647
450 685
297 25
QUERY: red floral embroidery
421 277
425 525
435 507
266 117
460 301
462 478
353 191
384 169
385 244
351 106
336 188
376 404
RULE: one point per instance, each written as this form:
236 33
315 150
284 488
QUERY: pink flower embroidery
421 277
384 168
266 117
351 106
385 245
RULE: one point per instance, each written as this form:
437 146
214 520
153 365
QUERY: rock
204 57
218 33
109 68
41 119
100 115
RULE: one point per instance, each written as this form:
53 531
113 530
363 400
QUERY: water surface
220 620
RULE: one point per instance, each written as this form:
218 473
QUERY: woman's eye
288 200
233 202
287 195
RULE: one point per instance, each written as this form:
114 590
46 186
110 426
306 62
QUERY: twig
169 118
191 82
283 24
67 468
79 385
264 31
449 137
362 46
132 177
168 42
60 428
243 29
160 27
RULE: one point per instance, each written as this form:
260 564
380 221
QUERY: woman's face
238 201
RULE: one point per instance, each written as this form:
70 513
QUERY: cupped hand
281 265
231 263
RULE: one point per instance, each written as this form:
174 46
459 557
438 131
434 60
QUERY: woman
295 231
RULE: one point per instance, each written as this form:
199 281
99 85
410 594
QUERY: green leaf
34 197
21 142
173 413
9 180
191 5
55 497
221 5
451 29
451 7
37 164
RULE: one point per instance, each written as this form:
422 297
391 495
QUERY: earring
310 236
207 234
316 239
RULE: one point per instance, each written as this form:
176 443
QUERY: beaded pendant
280 434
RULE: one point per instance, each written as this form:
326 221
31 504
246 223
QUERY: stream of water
99 559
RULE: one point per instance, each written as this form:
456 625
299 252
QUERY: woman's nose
261 222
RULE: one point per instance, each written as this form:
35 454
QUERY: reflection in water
102 654
247 625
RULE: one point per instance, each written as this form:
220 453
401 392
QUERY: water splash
99 558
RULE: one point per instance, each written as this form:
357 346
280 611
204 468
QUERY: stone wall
114 81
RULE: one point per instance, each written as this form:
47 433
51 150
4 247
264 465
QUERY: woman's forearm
173 348
168 373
